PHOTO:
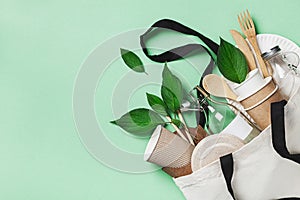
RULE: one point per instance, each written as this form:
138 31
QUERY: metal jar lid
269 54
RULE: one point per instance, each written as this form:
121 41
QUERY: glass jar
285 69
282 62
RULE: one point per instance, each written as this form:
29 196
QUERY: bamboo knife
244 47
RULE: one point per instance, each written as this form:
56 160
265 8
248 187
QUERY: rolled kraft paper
169 151
178 172
261 113
198 134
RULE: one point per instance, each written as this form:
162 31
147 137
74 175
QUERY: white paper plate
213 147
268 41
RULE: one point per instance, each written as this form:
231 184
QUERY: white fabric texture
293 123
260 173
207 183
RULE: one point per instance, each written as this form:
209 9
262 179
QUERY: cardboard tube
177 172
199 134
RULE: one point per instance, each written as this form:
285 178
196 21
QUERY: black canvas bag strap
227 169
278 132
182 51
278 141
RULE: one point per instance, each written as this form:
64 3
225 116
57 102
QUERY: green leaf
140 121
176 122
132 61
157 104
171 91
232 62
170 99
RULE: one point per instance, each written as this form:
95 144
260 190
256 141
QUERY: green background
42 46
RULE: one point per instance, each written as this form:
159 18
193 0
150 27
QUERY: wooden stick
177 129
186 128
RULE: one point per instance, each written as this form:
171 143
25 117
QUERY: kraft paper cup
258 105
256 95
169 151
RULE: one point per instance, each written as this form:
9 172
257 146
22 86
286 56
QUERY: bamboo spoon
216 85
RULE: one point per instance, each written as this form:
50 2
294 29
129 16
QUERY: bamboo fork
248 28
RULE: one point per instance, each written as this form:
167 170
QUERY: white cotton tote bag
266 168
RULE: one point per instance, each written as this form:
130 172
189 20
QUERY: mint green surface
42 46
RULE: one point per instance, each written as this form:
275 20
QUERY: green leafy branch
165 110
